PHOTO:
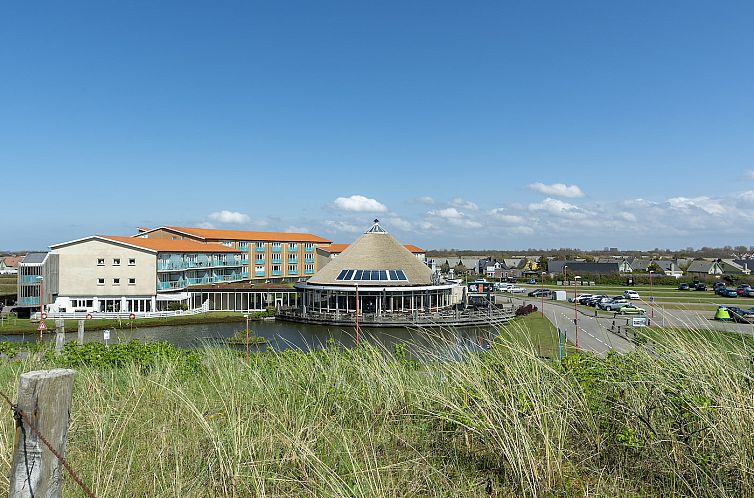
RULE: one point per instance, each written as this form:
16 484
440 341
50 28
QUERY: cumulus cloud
463 204
558 189
333 226
425 200
747 196
455 217
557 207
397 222
229 217
359 204
705 204
501 214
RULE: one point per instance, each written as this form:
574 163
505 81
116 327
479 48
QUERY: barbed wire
21 417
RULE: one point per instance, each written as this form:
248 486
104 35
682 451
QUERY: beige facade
98 268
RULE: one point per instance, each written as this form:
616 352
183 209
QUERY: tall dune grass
675 418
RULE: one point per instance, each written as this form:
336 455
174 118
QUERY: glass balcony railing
243 247
276 273
260 248
292 272
308 258
28 279
292 259
244 261
259 261
308 248
29 301
169 265
276 248
259 273
308 272
185 282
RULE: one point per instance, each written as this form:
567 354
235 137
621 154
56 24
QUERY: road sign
44 316
131 316
651 299
106 335
639 321
42 327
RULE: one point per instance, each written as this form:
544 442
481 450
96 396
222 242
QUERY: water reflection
436 344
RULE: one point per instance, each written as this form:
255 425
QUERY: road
599 334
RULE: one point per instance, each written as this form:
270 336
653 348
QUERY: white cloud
455 217
463 204
501 214
295 229
230 217
558 189
706 204
749 174
359 203
206 224
425 200
557 207
333 226
747 196
397 222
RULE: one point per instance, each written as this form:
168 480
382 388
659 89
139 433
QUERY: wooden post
80 338
59 335
44 396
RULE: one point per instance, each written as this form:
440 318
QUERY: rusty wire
20 417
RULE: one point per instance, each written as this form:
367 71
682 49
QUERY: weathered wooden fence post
59 335
80 338
44 396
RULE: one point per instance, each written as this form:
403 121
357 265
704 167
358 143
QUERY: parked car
630 309
539 292
684 286
719 284
725 292
578 297
743 289
516 290
592 301
615 304
532 281
741 315
700 286
584 299
631 294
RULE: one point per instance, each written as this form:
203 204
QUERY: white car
631 294
579 296
516 290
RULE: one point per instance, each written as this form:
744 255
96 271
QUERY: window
292 247
116 261
131 281
116 281
131 261
100 261
292 268
89 303
100 281
275 267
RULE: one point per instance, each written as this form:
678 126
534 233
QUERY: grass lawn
26 326
531 331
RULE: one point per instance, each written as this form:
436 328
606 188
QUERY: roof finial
376 228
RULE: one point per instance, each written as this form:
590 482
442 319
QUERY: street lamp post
246 316
565 274
41 280
576 310
542 295
651 296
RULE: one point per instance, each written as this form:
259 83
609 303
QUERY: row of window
82 303
277 268
116 281
116 261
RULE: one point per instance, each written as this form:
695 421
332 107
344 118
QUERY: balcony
243 246
259 261
173 264
308 272
28 279
292 258
276 273
260 248
29 301
259 273
293 272
308 258
185 282
276 248
244 260
308 248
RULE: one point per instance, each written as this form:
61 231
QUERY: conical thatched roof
375 250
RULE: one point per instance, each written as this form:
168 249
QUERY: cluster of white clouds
636 218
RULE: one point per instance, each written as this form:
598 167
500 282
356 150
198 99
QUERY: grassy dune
675 418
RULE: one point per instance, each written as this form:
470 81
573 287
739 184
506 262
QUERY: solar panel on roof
383 274
349 274
401 275
393 274
341 275
357 275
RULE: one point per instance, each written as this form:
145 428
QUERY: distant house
731 267
9 264
704 267
556 267
623 265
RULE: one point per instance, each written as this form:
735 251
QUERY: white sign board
639 321
106 335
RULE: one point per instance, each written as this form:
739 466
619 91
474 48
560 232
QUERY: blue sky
477 125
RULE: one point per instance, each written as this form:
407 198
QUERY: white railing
123 315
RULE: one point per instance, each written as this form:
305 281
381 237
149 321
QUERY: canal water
443 344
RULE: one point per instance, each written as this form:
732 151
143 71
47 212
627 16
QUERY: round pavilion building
377 278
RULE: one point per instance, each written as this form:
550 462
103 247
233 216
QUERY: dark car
719 285
540 292
700 286
740 315
684 287
725 292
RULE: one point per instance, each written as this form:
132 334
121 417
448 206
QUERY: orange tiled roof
339 248
248 235
168 245
12 261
